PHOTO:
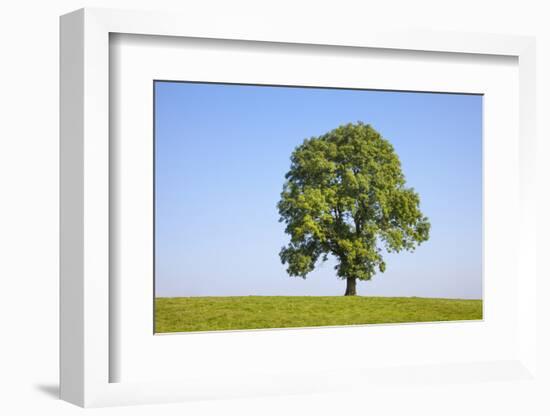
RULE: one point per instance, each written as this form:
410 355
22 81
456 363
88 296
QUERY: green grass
251 312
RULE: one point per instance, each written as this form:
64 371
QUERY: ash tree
345 195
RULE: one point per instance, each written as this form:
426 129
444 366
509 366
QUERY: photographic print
289 207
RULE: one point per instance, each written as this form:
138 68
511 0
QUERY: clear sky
221 155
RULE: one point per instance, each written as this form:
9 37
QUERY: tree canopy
345 194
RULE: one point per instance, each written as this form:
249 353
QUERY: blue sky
221 155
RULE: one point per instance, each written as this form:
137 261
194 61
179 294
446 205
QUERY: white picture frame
86 305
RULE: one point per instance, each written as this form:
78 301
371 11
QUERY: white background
29 208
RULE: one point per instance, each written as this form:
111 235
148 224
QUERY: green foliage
250 312
345 195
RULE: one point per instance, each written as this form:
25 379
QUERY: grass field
251 312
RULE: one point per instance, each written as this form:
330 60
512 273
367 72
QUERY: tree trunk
351 286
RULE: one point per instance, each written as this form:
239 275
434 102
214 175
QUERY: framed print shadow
273 201
235 208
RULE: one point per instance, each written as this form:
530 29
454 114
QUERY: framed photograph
273 212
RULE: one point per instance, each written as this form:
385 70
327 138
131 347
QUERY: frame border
84 181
